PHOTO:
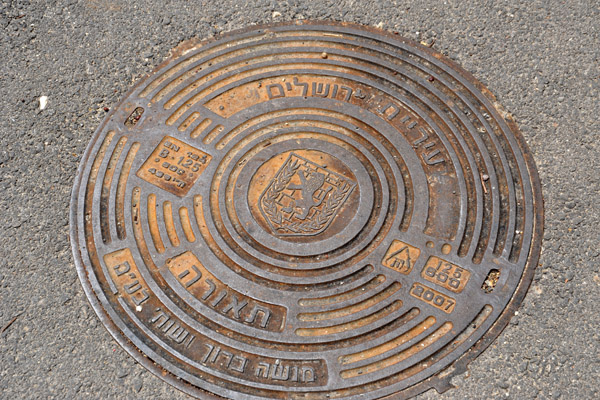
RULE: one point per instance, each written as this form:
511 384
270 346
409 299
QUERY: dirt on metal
306 211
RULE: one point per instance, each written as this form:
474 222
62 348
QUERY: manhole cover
306 211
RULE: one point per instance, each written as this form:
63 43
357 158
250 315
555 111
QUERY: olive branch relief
277 186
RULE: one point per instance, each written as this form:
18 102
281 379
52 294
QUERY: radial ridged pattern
306 211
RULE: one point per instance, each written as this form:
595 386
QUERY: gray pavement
540 58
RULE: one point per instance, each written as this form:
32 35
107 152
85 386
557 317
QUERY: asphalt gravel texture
540 58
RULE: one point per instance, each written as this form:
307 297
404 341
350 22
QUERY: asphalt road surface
541 59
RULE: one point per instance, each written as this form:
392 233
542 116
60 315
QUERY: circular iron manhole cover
306 211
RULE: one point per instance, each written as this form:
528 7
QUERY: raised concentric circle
306 211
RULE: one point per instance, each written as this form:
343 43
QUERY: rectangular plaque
174 166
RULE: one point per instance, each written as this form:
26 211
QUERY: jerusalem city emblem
303 198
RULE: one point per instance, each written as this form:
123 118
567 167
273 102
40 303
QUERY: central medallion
302 194
304 198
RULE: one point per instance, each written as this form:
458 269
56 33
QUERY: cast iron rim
440 378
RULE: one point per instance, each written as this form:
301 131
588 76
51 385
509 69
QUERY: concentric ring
374 204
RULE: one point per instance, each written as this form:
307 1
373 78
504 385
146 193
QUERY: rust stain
121 187
392 344
355 308
106 187
153 224
349 326
170 224
398 358
344 296
186 225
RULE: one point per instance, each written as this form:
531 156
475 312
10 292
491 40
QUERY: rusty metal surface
306 211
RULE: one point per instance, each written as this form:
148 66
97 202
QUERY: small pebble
43 102
569 275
